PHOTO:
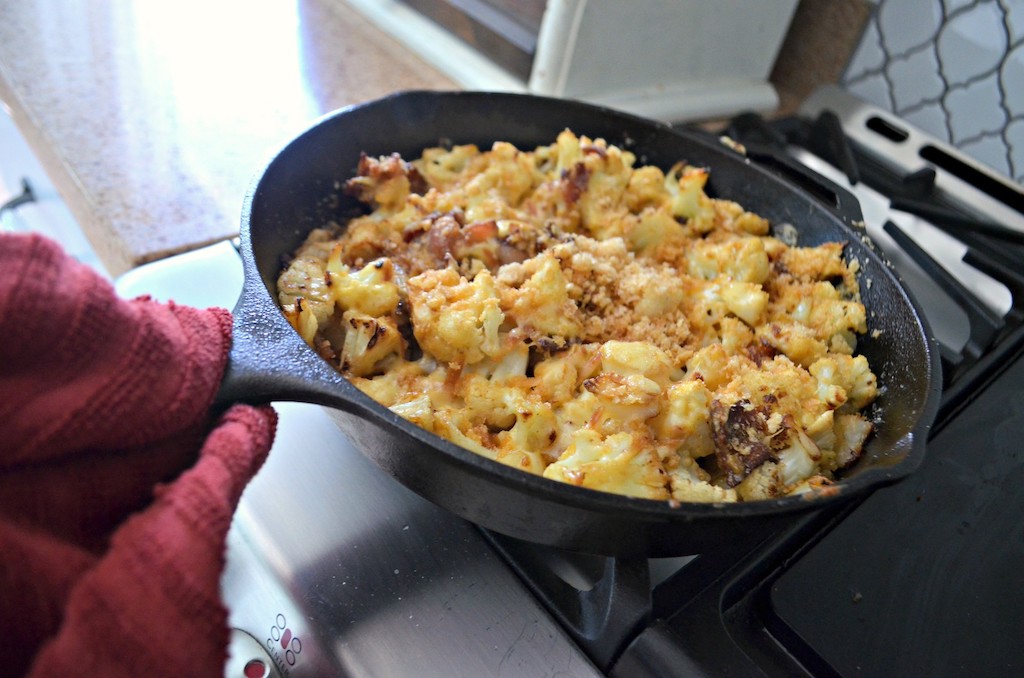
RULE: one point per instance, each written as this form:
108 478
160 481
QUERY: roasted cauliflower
613 327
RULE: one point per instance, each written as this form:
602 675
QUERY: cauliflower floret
508 364
371 290
623 463
507 174
822 431
706 307
742 259
494 404
541 305
837 321
763 482
582 411
730 217
455 320
652 230
745 300
557 379
691 483
368 341
447 426
385 181
567 152
686 186
536 429
604 172
461 427
403 381
760 413
796 341
714 366
444 167
588 185
798 460
816 263
514 427
625 400
779 385
684 420
711 301
305 279
852 431
845 382
735 335
794 463
833 320
638 358
418 410
646 188
303 320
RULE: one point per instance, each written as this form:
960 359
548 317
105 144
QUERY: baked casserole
569 313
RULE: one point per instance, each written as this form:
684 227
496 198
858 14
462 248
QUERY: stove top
918 578
336 569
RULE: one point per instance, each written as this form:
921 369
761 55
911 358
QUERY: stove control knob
248 659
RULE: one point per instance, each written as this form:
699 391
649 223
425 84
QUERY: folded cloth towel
104 403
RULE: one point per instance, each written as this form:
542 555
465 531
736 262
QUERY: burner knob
247 658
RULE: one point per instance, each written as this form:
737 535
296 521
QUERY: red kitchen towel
116 487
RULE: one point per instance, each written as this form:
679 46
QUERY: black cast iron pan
299 190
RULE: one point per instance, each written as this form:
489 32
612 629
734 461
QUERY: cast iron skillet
299 190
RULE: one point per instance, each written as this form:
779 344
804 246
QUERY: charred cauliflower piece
368 342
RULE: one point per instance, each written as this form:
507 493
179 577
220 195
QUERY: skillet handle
269 362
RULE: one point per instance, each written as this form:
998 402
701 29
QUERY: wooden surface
152 118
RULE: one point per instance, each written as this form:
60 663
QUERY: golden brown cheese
608 326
